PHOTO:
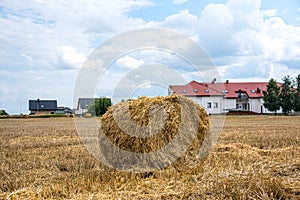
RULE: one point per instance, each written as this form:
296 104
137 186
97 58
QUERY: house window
244 106
216 105
184 90
208 104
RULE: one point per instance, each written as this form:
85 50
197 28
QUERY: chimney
227 81
214 80
258 90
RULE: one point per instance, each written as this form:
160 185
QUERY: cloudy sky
44 43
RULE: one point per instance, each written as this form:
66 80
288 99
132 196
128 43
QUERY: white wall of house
217 104
229 104
255 105
80 111
197 100
212 104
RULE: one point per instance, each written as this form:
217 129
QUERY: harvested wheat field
257 157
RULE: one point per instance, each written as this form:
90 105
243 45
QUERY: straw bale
87 115
157 130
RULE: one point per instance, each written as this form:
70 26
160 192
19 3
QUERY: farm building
219 98
82 105
42 107
64 110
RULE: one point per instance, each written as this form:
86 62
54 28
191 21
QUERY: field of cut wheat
256 157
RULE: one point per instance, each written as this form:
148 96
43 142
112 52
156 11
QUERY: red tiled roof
194 88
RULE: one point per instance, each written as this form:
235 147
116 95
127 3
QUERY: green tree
271 96
100 106
287 96
297 95
3 112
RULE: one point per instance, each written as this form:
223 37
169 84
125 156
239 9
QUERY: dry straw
155 130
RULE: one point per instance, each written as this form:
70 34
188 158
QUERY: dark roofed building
64 110
83 104
38 107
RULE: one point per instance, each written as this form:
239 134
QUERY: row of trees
100 106
285 95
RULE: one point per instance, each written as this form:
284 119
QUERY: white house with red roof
219 98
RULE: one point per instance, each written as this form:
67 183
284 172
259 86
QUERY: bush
47 116
3 112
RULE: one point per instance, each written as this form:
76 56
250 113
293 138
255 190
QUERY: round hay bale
153 133
87 115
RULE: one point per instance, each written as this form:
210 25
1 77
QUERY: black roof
84 103
42 104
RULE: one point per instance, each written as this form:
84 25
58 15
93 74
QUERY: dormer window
206 90
195 90
242 95
184 90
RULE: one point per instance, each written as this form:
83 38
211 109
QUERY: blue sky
45 43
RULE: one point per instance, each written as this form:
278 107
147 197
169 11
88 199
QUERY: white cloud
129 62
179 1
3 91
278 38
280 70
184 22
217 13
215 28
28 58
224 25
246 13
69 57
270 13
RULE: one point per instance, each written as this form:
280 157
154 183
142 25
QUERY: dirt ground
256 157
